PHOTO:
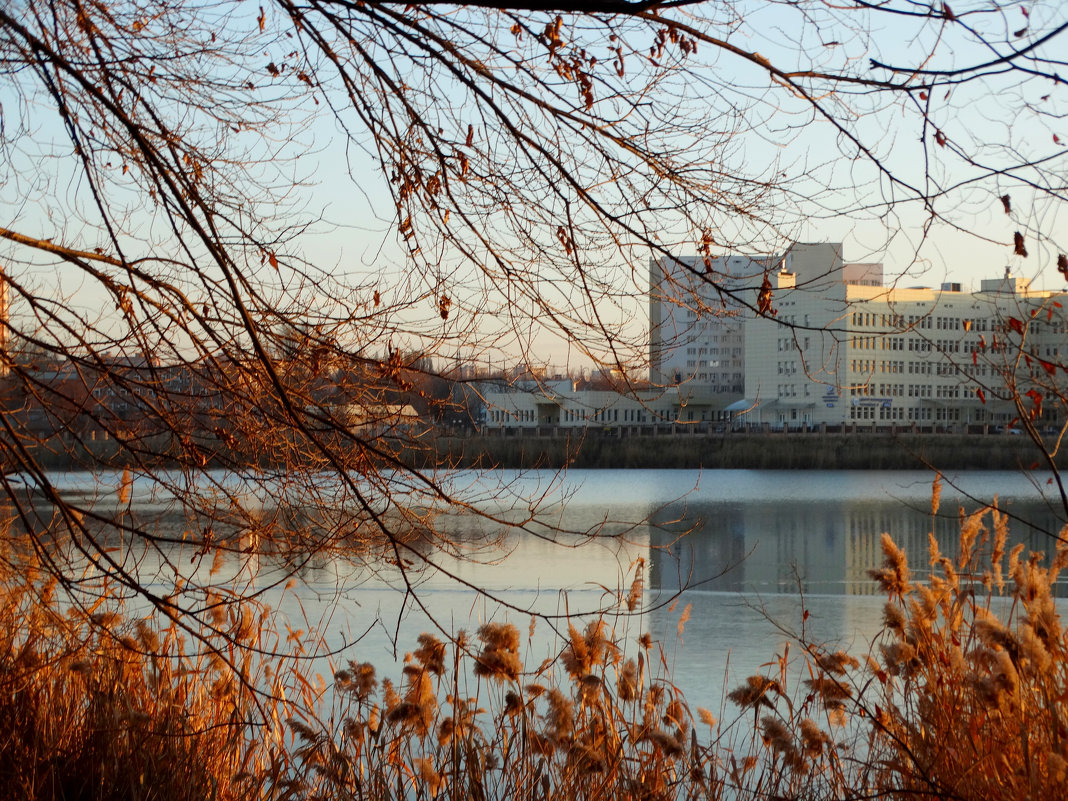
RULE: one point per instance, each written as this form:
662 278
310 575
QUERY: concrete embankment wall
597 449
749 451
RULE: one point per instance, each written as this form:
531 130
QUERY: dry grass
605 730
964 696
94 706
969 694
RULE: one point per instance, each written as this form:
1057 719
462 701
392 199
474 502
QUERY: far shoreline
683 449
739 450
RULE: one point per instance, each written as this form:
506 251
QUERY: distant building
840 349
874 355
697 328
570 404
387 419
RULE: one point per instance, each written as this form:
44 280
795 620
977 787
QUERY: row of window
873 320
903 413
909 390
694 350
513 416
694 364
873 366
792 344
898 322
941 345
528 416
720 381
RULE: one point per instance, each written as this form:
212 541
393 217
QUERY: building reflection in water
815 547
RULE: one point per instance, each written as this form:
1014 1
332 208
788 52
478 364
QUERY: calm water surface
746 551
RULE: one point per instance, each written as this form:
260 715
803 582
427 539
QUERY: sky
971 116
354 236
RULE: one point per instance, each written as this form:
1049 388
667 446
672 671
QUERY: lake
746 551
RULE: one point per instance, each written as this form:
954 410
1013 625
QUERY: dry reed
97 706
962 696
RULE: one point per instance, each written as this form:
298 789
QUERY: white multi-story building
697 326
874 355
700 311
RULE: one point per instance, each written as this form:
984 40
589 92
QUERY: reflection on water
818 547
741 547
760 531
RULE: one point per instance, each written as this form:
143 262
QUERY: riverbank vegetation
960 697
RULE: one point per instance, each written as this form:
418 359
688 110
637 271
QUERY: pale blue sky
357 238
